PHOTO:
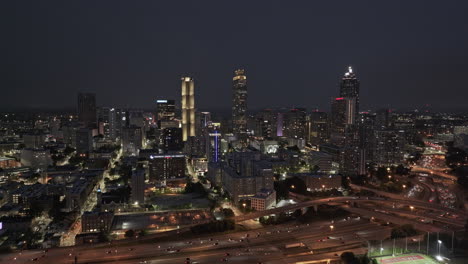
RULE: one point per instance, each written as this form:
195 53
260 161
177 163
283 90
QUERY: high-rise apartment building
239 106
188 108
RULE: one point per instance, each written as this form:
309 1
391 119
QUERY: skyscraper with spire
239 106
349 88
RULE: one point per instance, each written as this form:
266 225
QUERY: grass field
407 259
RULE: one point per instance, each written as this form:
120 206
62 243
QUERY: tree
381 174
349 258
315 169
297 213
129 233
228 213
68 150
104 236
401 170
403 231
143 233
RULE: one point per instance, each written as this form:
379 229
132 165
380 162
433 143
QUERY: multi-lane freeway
266 246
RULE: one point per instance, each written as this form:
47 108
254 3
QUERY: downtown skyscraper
87 114
188 108
349 88
239 106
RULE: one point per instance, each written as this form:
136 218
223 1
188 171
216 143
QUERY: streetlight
331 227
439 243
292 186
411 207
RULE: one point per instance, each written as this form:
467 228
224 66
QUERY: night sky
405 53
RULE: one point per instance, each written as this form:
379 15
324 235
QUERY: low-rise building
96 221
263 200
320 182
36 158
6 163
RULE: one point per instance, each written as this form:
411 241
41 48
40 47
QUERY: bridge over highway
352 200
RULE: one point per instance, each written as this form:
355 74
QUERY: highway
394 199
266 245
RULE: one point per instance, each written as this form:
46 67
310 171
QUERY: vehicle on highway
294 245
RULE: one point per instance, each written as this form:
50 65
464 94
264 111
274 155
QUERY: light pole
427 251
332 227
381 247
406 244
439 243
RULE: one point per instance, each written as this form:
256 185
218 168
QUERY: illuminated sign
161 101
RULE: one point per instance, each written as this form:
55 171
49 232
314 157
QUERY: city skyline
111 52
264 132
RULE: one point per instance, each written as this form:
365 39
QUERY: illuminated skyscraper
188 108
239 105
165 109
342 115
349 87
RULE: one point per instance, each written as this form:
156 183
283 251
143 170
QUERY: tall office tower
165 110
213 143
342 114
188 108
239 106
83 141
132 140
265 123
138 186
203 121
383 119
318 127
171 139
114 123
87 109
104 116
349 87
294 123
279 125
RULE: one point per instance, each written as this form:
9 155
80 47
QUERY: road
415 168
266 245
394 199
